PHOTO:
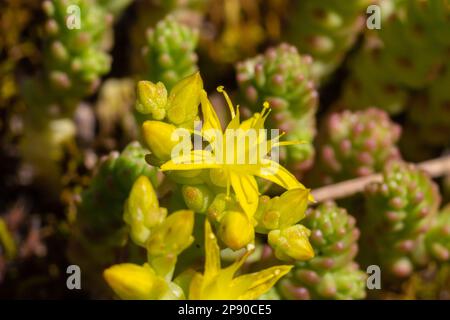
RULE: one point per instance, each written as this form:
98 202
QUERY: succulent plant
99 234
102 203
400 210
384 71
437 239
332 273
357 144
170 51
282 77
326 30
76 42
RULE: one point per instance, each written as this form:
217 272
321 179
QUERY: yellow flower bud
132 282
152 99
184 99
161 138
283 211
142 211
173 235
291 243
235 230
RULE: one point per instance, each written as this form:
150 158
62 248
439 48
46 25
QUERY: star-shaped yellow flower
237 166
220 284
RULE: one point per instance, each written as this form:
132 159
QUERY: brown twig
435 168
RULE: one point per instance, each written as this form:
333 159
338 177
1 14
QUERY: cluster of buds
98 232
400 211
282 77
357 144
327 30
170 51
165 237
332 273
383 71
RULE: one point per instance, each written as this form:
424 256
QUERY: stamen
227 98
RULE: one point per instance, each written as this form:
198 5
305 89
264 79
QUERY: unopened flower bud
152 99
173 235
142 211
184 100
134 282
283 211
159 137
197 197
291 243
235 230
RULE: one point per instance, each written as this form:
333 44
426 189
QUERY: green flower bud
291 243
235 230
184 98
142 211
152 99
197 197
173 235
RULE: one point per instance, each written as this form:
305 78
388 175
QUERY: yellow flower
237 166
220 284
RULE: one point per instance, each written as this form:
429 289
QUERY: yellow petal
256 284
210 119
196 159
235 122
196 287
246 190
212 254
276 173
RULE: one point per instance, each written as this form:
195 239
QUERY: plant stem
435 168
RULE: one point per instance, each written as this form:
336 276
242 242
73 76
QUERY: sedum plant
99 233
282 77
437 239
384 72
75 56
400 210
164 238
355 144
332 273
225 193
170 51
327 30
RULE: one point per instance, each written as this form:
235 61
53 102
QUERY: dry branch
435 168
